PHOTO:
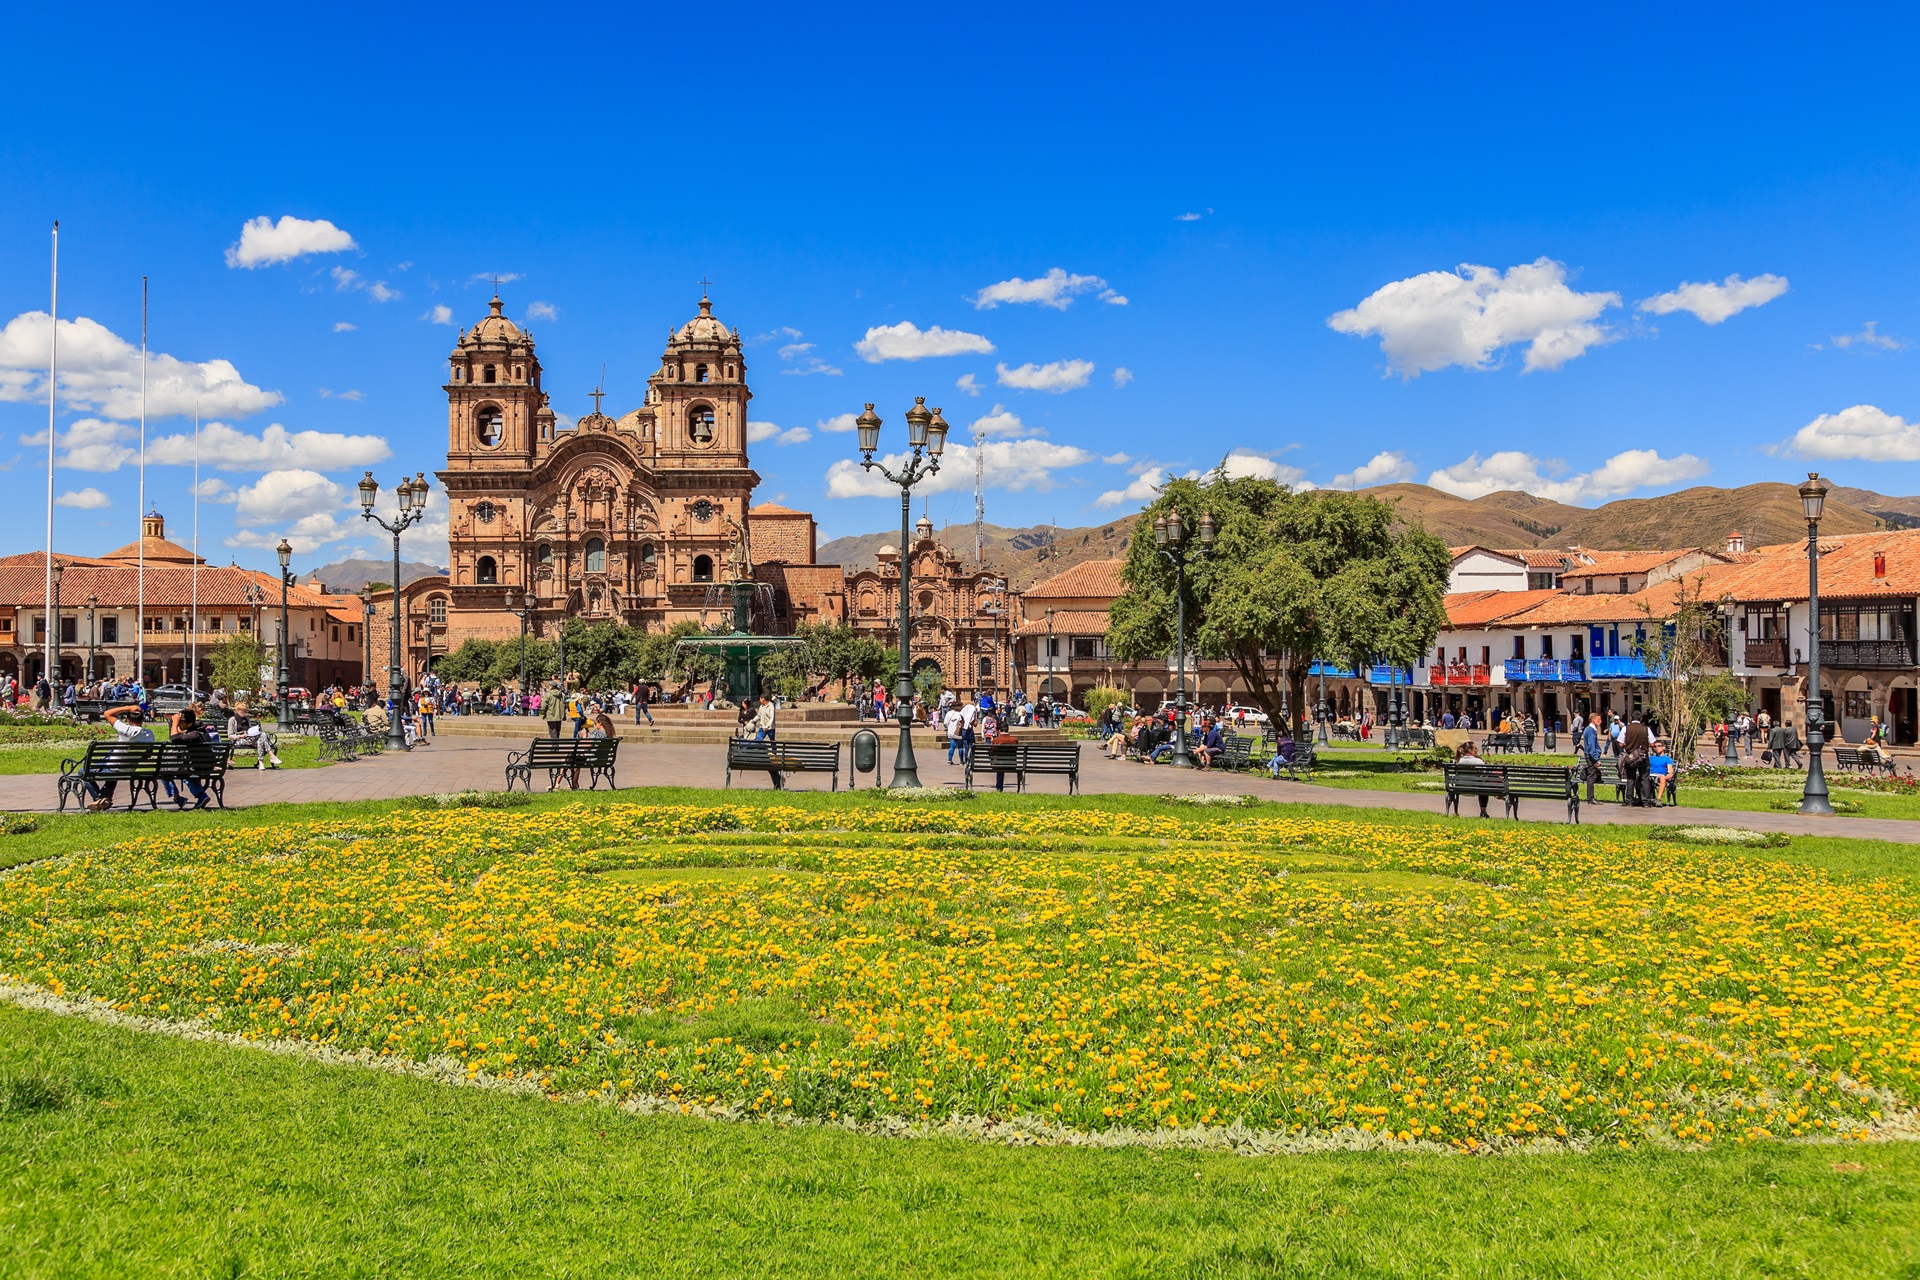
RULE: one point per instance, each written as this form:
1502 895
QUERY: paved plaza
459 763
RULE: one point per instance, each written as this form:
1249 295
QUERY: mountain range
344 577
1699 517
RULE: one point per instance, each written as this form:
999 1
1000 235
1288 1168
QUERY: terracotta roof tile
1068 622
168 586
1470 609
1538 558
1088 580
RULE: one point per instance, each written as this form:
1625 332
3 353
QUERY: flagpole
53 401
140 592
193 624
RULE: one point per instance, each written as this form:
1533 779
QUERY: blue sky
1328 248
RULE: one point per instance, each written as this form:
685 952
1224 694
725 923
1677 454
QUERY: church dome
496 327
888 552
703 327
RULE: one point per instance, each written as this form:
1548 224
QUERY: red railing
1462 673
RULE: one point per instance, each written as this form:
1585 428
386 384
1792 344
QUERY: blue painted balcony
1383 674
1624 667
1330 670
1545 670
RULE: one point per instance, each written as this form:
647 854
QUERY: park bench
143 766
1305 756
1416 739
1238 752
1512 783
202 762
555 756
1610 777
1346 731
1510 743
1060 759
89 710
1861 760
777 758
601 754
337 743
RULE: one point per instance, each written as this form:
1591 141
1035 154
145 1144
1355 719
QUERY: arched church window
703 568
545 555
699 373
986 668
649 554
596 556
486 374
437 610
700 424
486 425
458 373
486 572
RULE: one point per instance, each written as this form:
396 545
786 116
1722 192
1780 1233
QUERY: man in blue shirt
1660 772
1212 743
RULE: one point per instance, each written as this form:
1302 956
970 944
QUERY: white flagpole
140 593
53 401
193 633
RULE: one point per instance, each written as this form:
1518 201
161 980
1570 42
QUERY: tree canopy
1291 578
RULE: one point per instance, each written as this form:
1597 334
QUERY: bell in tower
497 415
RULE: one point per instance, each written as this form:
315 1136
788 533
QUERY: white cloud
968 383
1863 432
998 422
1869 336
1113 299
1383 468
286 497
90 444
1122 375
1441 318
1145 487
440 313
495 278
542 311
88 499
1713 303
840 422
1187 217
794 349
214 489
1116 459
274 449
264 242
1055 289
345 279
1511 469
758 432
344 326
1061 375
1013 465
809 364
100 372
907 341
1244 464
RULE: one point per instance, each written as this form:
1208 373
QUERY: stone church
631 519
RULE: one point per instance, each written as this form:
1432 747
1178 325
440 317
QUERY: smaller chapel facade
958 616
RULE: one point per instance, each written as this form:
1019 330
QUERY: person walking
552 711
1636 750
1590 754
1776 752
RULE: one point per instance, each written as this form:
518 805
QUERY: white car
1254 715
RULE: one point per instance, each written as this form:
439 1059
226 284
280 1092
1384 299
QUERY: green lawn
295 753
131 1153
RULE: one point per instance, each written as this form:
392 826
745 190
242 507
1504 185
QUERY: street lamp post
366 643
1813 498
412 497
255 595
93 603
526 607
926 441
1050 646
282 676
1321 738
1170 539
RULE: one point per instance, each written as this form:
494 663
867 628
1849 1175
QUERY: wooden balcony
1875 655
1767 653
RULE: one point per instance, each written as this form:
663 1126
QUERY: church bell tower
496 411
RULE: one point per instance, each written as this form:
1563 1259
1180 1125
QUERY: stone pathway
456 764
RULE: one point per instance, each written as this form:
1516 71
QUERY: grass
131 1153
295 753
128 1154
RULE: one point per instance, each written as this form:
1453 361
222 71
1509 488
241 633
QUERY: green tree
1100 697
604 655
504 673
237 663
1686 638
1292 577
472 661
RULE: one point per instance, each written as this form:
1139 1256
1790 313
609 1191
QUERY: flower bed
1473 987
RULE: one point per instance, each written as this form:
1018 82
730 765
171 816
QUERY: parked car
1254 715
175 695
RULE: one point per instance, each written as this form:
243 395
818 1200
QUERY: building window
596 556
437 610
986 668
336 635
648 553
1519 646
486 374
1082 648
353 633
486 572
545 555
699 373
486 425
1623 586
246 624
703 568
1546 646
109 630
69 630
700 424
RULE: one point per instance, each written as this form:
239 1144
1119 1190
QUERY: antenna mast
980 498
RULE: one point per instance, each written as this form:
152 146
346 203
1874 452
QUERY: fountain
734 640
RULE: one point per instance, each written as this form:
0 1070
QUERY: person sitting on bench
1282 756
1211 744
241 727
129 723
1465 754
1659 772
187 731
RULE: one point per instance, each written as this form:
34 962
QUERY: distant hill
1024 555
348 576
1699 517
